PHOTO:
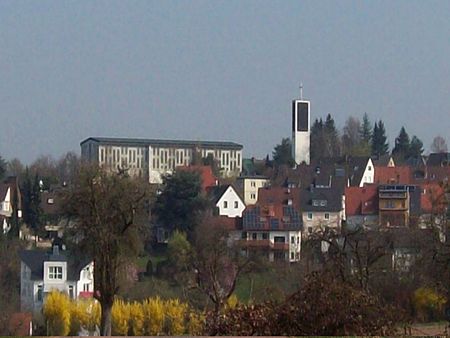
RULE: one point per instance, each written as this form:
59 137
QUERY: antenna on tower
301 91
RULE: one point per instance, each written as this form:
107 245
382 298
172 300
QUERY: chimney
56 250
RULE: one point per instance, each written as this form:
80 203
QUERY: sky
216 70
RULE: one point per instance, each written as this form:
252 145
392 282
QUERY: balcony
392 195
263 244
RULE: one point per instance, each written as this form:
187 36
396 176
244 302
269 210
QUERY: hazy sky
216 70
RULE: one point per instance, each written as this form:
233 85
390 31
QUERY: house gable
230 203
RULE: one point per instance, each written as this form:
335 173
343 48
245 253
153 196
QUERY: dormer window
55 272
50 201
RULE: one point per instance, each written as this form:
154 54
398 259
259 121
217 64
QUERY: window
236 204
279 239
86 287
265 235
292 240
310 215
253 196
225 204
253 184
327 215
39 294
55 272
292 256
254 236
389 204
71 295
369 168
244 235
323 203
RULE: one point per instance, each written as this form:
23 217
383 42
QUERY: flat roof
159 142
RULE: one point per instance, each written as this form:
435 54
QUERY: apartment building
152 158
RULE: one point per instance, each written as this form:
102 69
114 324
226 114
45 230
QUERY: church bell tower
301 129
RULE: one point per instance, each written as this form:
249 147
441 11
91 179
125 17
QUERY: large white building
153 159
301 131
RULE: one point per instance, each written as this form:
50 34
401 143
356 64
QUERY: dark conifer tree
379 140
331 138
366 132
416 147
402 145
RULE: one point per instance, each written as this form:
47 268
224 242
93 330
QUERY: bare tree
439 145
108 213
351 137
15 168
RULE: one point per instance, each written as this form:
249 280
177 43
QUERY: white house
228 202
10 203
43 271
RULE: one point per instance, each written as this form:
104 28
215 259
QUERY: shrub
175 317
56 312
154 316
120 317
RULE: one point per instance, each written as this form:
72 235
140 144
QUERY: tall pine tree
32 213
379 140
317 139
331 137
402 145
415 147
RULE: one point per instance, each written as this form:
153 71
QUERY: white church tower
301 129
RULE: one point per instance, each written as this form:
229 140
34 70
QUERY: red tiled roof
361 201
229 223
432 198
206 174
278 196
392 175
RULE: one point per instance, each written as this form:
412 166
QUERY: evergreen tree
379 140
402 145
366 133
331 137
282 153
317 139
416 147
32 213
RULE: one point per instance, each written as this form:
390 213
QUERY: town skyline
225 71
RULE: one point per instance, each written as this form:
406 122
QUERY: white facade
301 131
369 174
250 188
152 159
230 204
280 245
5 205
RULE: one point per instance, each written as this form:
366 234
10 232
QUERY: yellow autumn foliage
137 319
175 317
154 316
56 312
120 317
